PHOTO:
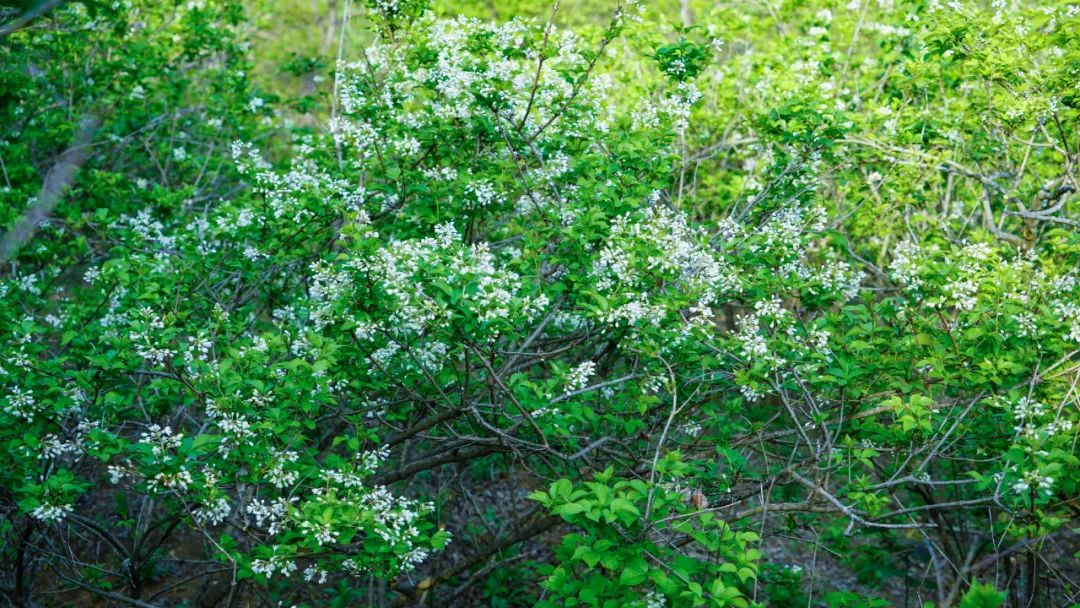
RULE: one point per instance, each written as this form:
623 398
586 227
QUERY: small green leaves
681 60
616 321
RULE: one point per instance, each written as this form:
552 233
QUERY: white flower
655 600
313 574
962 293
324 533
116 474
171 481
161 438
48 512
21 404
414 557
267 567
278 474
213 513
483 193
579 376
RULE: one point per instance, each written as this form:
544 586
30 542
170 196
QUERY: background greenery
397 303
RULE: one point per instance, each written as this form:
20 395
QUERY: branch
524 532
24 19
56 183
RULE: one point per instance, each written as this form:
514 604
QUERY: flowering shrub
509 317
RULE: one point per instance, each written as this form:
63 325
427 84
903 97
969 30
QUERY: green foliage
982 596
413 308
612 559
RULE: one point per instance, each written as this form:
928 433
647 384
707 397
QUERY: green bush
497 313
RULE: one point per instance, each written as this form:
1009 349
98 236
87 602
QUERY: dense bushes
637 316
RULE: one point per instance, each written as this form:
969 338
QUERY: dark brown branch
523 531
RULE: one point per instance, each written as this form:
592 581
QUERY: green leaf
568 509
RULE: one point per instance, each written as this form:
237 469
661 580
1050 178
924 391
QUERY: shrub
489 319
